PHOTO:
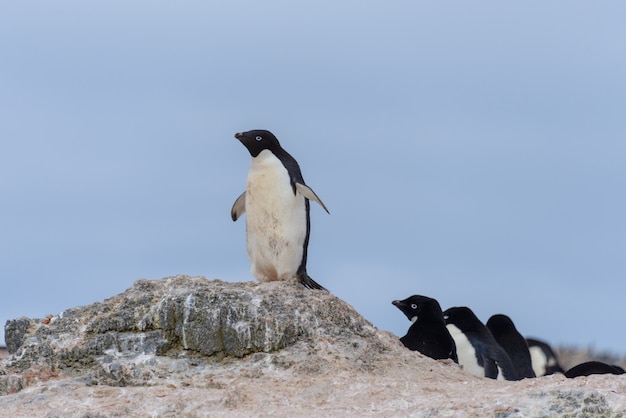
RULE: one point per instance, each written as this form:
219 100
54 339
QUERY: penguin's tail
309 283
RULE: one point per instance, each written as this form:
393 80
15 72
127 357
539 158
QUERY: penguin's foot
309 283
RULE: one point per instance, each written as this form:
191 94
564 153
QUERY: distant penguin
593 367
543 358
505 333
276 203
477 350
428 333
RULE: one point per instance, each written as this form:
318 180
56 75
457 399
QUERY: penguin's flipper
307 192
239 207
505 365
453 355
491 368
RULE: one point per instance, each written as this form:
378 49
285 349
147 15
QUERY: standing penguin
276 203
428 333
505 333
478 352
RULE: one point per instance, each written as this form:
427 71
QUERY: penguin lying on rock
593 367
505 333
543 358
478 351
428 333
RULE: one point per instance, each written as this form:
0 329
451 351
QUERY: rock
187 346
14 332
11 384
178 316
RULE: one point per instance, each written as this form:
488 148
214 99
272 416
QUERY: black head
501 324
258 140
419 307
462 317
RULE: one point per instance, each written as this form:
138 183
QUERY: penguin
276 203
478 352
428 333
543 358
593 367
505 333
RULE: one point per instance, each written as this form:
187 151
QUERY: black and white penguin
477 350
543 358
428 333
276 203
505 333
593 367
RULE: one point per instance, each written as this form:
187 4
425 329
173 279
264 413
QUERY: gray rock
187 346
14 331
177 316
11 384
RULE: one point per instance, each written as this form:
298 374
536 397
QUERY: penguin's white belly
465 352
538 360
275 220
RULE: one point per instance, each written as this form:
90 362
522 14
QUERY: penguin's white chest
275 220
465 352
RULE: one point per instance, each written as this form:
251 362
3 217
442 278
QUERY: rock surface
187 346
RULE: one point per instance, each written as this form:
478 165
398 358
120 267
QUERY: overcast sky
473 152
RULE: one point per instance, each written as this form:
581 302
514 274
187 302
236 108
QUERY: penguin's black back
505 334
593 367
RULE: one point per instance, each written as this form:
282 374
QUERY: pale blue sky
473 152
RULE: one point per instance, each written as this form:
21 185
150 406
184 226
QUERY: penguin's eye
413 306
446 317
258 138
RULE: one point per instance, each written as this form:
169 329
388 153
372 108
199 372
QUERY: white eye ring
258 138
413 306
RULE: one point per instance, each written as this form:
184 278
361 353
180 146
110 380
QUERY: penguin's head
419 307
258 140
500 324
462 317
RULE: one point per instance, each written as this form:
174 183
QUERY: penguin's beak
239 135
396 303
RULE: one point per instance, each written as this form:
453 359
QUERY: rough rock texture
186 346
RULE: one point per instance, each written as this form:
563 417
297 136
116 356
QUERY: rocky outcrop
179 316
187 346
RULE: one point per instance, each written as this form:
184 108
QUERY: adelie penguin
503 330
543 357
428 333
478 352
276 203
593 367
